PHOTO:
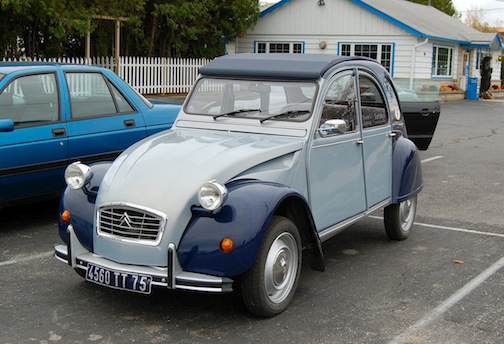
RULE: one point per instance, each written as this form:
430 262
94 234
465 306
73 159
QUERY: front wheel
269 285
399 218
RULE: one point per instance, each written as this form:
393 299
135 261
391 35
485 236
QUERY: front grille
129 222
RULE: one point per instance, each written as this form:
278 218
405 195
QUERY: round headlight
77 175
212 195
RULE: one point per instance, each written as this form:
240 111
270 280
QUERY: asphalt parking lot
442 285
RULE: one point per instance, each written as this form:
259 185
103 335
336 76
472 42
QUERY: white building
413 41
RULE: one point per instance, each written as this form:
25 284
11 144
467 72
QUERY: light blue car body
276 156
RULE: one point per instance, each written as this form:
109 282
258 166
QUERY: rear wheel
270 284
399 218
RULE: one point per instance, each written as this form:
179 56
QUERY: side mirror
6 125
333 126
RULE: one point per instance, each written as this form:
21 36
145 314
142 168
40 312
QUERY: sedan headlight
77 175
212 195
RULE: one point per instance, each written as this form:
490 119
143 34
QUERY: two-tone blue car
54 114
271 155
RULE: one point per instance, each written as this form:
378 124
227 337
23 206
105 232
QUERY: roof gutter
412 72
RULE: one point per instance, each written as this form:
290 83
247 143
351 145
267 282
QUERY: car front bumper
171 277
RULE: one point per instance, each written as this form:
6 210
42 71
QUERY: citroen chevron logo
125 220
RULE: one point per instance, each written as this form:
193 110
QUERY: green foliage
53 28
445 6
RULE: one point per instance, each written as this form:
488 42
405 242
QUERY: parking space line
448 303
455 229
472 231
26 259
431 159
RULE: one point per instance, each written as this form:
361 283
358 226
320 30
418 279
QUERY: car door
102 122
376 141
421 118
336 167
33 155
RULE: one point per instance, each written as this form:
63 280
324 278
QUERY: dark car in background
54 114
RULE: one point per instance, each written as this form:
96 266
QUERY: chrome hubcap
281 267
407 213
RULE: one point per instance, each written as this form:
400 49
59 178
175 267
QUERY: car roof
276 65
9 67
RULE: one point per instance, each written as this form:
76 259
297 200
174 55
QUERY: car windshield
255 99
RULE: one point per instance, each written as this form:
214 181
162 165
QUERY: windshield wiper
233 113
293 113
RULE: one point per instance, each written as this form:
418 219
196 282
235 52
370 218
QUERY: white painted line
472 231
432 159
448 303
455 229
28 258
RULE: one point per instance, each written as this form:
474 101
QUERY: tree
475 18
443 5
195 28
54 28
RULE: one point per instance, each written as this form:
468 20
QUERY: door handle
58 132
359 141
425 112
392 134
129 123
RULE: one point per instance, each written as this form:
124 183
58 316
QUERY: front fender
244 218
407 177
81 205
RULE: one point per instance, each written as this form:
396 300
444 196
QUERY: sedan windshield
262 100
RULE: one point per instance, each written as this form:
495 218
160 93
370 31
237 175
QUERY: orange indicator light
65 216
227 245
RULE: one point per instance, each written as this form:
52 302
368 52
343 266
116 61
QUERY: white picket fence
147 75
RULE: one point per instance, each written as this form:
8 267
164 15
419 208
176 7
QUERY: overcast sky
493 10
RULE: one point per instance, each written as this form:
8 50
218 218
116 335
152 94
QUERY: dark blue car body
54 114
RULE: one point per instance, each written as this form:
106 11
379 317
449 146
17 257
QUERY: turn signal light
65 216
227 245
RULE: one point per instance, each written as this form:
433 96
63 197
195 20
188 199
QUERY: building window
279 47
380 52
442 61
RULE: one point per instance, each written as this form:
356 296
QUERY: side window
89 95
395 110
31 99
374 111
122 103
339 102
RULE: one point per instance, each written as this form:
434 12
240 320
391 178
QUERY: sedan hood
171 166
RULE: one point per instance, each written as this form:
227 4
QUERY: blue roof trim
487 46
274 7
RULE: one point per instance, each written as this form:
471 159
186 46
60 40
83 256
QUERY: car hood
171 166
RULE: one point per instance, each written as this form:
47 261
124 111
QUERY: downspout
413 62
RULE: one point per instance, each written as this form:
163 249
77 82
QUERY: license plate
119 280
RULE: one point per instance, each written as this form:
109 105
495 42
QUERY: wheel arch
250 206
296 209
407 179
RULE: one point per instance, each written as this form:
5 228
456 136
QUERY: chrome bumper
171 277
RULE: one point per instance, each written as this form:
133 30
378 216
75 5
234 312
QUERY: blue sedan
54 114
